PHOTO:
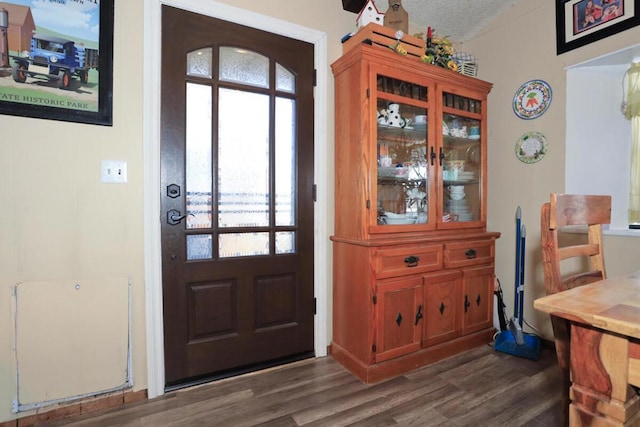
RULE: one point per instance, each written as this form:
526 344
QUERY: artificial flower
440 52
399 49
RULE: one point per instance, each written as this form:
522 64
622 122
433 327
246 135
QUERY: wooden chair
569 210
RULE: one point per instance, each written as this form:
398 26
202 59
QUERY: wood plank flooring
481 387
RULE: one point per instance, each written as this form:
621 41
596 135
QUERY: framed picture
56 60
580 22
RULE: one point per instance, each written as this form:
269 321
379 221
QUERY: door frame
151 169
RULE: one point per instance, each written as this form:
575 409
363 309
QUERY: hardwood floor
479 388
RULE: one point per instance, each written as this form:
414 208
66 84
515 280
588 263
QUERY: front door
237 197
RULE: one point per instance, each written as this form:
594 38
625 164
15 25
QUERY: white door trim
151 164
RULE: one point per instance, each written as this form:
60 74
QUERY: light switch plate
113 171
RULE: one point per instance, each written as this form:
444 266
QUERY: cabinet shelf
394 180
456 182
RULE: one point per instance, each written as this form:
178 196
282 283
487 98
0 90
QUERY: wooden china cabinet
413 261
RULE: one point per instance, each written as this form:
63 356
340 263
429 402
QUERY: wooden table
605 349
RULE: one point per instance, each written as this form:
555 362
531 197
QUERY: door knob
174 217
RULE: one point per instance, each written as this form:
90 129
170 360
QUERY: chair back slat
578 209
578 250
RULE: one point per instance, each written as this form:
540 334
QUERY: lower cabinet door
477 292
442 307
399 316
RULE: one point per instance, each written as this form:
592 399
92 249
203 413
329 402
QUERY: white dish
399 221
395 215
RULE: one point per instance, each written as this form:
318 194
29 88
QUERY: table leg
600 390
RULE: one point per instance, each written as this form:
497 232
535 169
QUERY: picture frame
580 22
60 57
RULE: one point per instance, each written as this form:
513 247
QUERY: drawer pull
441 308
470 254
412 261
399 319
466 303
418 314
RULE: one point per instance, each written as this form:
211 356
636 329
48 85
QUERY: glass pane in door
285 161
199 62
462 169
198 155
402 164
243 159
243 66
285 79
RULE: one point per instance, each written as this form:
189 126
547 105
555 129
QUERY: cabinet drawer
462 254
408 260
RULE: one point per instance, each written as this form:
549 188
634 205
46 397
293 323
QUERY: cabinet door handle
470 254
478 300
399 319
441 156
412 261
433 156
418 314
466 303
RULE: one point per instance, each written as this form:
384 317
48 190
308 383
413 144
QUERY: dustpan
513 340
530 347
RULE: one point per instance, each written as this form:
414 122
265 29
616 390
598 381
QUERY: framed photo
56 60
580 22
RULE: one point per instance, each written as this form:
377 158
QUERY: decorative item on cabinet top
379 36
368 14
437 51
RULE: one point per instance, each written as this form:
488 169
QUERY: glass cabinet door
461 158
402 187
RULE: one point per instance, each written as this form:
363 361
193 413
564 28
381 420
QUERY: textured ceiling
459 20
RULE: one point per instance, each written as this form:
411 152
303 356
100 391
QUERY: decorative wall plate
532 99
531 147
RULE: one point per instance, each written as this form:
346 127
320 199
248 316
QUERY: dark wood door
237 201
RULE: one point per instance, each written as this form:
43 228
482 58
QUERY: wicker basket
467 64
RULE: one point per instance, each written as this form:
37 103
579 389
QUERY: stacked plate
459 208
392 218
465 176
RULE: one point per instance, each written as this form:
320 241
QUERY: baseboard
75 409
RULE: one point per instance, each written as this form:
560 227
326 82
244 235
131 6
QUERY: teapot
392 117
